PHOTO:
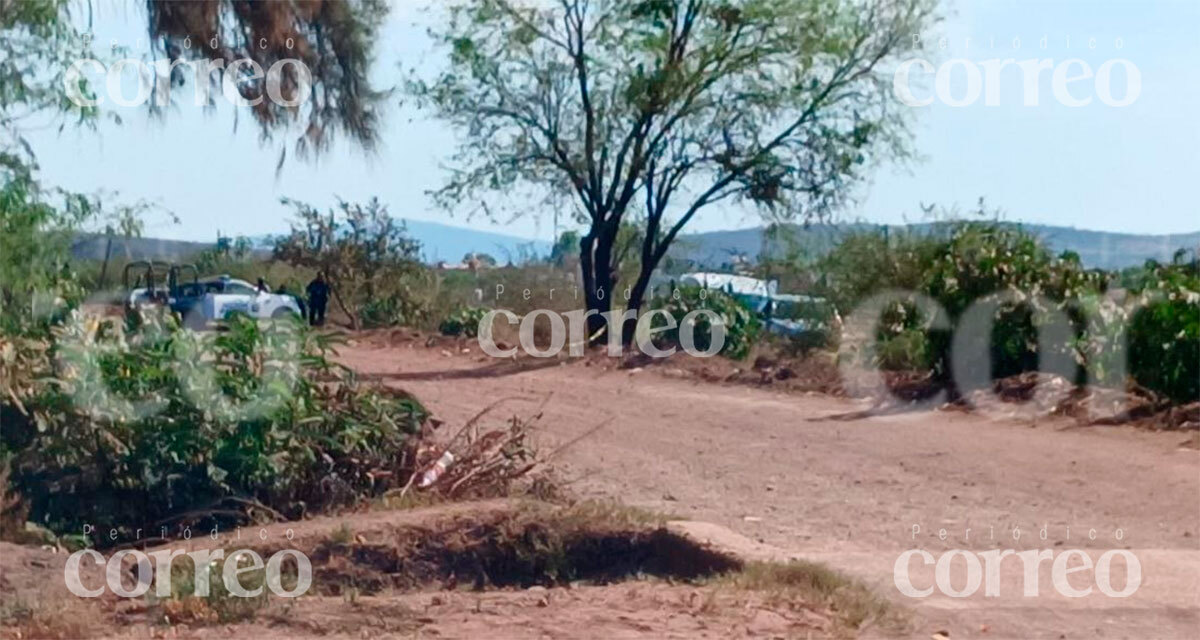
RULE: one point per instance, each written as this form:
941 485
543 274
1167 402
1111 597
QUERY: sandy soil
778 469
779 475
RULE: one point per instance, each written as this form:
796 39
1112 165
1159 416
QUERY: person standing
318 296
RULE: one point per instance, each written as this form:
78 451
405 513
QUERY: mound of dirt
513 568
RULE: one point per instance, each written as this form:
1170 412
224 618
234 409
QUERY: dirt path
849 493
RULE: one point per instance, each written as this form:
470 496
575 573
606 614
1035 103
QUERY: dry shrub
537 544
475 462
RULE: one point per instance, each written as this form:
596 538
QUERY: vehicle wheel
284 313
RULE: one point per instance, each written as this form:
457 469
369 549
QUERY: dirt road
857 493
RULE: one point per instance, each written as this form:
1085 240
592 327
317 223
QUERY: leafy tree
566 244
333 39
359 248
37 45
480 259
667 107
227 253
34 246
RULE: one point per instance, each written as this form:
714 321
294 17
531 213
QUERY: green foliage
415 297
903 350
125 429
986 261
132 424
742 327
35 280
864 263
963 263
1164 333
667 105
364 253
228 252
463 322
334 42
565 246
959 264
38 44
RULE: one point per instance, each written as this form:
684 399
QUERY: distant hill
706 250
451 243
1098 249
438 242
91 246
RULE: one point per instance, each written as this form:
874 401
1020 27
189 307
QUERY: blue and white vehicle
220 296
782 313
198 301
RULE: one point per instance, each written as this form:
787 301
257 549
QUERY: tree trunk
600 280
595 261
637 299
342 305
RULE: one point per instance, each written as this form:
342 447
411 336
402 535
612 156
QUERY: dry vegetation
586 553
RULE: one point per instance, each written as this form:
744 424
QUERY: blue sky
1129 169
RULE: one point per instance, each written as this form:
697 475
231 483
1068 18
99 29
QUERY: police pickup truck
200 301
215 298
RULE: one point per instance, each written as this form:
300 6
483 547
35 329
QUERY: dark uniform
318 297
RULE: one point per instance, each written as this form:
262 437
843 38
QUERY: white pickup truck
223 295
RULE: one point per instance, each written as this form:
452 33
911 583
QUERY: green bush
1164 335
983 261
908 350
463 322
126 429
866 262
742 327
137 424
36 281
960 263
365 254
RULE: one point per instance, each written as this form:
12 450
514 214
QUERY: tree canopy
334 39
38 42
666 107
